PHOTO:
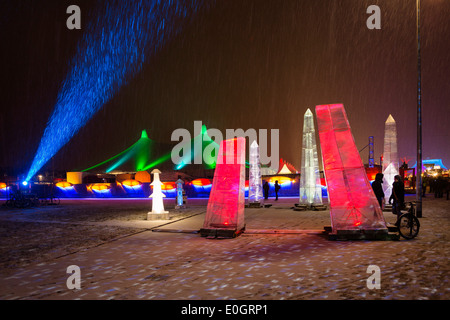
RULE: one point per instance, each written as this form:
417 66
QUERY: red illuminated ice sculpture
225 211
355 212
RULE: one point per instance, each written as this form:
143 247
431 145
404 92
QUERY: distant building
432 164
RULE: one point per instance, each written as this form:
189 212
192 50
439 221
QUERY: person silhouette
377 187
398 196
266 188
277 188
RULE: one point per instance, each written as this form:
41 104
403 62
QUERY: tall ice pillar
225 211
354 210
255 179
310 186
390 157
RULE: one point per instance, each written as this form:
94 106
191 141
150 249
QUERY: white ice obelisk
255 193
310 187
390 157
158 212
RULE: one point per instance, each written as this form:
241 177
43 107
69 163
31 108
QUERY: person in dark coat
447 188
277 188
377 187
266 188
398 195
441 185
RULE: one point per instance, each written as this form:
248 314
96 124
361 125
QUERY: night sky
242 64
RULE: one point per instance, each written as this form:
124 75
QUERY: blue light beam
110 53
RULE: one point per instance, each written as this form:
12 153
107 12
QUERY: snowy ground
121 257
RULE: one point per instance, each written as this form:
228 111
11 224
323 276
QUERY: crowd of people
438 186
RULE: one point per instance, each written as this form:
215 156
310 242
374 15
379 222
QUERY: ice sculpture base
255 204
318 207
363 234
300 207
221 233
157 216
313 207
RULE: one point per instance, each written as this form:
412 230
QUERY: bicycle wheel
408 226
9 203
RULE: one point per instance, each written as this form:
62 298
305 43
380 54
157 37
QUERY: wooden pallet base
253 205
382 234
304 207
221 233
300 207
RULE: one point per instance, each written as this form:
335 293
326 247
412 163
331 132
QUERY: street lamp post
419 121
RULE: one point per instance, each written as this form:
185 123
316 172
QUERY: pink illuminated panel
226 202
352 201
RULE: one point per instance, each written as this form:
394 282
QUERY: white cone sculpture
255 193
158 212
390 158
310 186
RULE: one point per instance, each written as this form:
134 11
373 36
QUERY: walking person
277 188
377 187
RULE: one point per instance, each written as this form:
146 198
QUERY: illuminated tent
134 158
353 205
432 164
200 146
286 168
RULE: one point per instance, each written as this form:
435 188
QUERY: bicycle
408 224
18 200
50 200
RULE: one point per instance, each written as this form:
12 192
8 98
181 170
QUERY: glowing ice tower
255 178
354 210
310 186
158 212
225 211
390 158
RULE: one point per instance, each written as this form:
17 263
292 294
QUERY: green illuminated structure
137 155
208 157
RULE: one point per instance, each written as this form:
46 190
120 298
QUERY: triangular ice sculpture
225 211
390 158
255 193
310 186
353 206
